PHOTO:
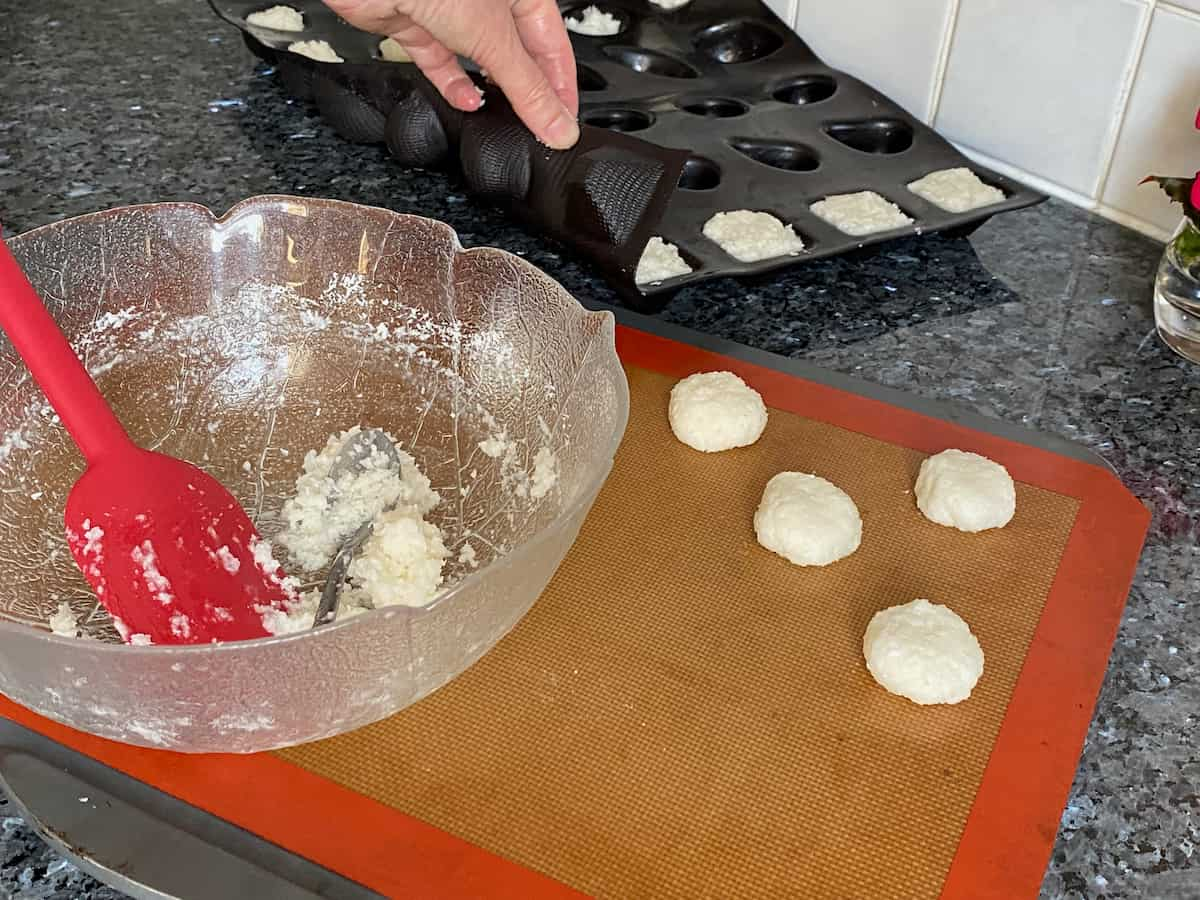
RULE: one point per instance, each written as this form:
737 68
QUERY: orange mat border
1012 824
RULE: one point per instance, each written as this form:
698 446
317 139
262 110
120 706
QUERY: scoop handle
54 364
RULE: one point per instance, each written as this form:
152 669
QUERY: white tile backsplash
785 9
1157 136
898 54
1184 5
1038 83
1081 98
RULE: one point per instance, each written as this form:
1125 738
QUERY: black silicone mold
764 123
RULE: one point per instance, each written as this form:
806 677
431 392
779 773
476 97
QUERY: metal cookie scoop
352 458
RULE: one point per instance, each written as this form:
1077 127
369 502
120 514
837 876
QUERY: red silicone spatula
170 553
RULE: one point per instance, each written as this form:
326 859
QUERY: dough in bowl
965 491
807 520
924 652
715 411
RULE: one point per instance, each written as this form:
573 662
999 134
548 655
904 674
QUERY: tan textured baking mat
683 714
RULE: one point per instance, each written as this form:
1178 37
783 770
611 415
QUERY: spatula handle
54 364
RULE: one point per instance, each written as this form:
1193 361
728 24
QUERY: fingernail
563 132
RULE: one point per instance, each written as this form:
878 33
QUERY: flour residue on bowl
216 383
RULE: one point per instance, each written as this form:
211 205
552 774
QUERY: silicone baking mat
683 714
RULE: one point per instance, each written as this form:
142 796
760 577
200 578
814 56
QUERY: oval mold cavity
699 174
618 119
589 79
650 61
879 136
738 42
777 154
714 107
805 90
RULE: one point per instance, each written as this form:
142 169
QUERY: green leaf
1187 248
1178 189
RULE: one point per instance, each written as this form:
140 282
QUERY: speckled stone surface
1042 317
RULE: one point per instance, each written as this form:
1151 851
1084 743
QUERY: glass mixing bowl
240 344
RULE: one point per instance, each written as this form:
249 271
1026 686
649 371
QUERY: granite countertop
1042 317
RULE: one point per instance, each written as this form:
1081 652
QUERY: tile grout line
1137 223
1054 189
1176 9
1118 124
943 63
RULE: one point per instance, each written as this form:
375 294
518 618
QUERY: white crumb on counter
323 513
140 640
660 261
321 51
594 22
750 236
956 190
859 214
63 622
279 18
390 50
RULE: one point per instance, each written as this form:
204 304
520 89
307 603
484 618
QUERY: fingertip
562 133
463 94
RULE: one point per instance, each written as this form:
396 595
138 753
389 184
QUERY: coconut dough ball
714 411
321 51
924 652
965 491
807 520
279 18
391 50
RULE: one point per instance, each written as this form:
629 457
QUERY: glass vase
1177 292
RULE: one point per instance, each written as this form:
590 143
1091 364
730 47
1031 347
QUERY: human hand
522 44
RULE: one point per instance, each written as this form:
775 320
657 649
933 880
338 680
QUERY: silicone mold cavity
699 174
879 136
789 155
619 119
738 42
650 62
